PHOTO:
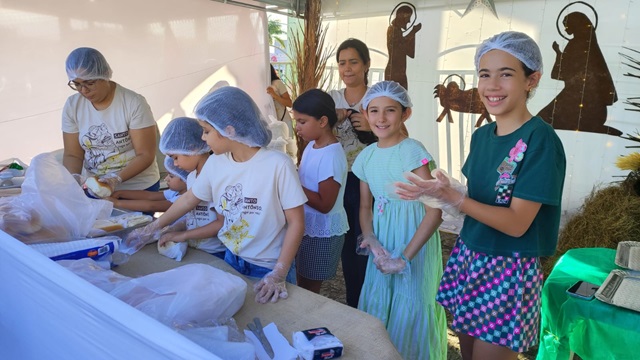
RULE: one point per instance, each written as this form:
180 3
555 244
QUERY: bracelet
404 258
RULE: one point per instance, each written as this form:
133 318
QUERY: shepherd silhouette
588 87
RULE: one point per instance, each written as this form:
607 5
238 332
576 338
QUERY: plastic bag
189 295
53 203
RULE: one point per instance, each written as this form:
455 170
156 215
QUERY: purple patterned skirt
493 298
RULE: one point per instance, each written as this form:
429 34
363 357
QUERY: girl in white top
182 141
323 174
256 192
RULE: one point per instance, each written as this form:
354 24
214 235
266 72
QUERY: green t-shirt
528 164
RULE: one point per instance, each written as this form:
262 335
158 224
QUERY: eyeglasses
89 85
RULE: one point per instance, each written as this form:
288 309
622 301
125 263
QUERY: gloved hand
392 264
442 192
173 232
272 286
140 237
111 179
369 244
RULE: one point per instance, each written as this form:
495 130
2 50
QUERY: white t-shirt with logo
252 197
200 216
104 134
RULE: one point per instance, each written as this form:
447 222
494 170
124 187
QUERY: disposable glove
442 192
369 244
140 237
392 264
272 286
111 179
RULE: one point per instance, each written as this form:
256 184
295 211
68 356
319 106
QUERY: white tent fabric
48 312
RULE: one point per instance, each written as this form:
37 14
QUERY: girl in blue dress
406 263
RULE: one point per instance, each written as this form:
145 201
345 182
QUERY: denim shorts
248 269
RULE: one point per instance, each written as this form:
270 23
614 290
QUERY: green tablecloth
589 328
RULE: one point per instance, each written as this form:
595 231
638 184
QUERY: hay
609 215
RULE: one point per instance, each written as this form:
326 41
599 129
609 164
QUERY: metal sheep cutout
452 97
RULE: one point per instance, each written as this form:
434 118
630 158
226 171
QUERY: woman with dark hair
281 99
354 135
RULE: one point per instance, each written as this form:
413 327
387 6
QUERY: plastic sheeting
48 312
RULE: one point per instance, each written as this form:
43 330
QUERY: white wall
170 51
446 44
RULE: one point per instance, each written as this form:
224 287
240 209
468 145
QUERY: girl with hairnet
515 170
256 194
182 141
153 201
403 274
108 131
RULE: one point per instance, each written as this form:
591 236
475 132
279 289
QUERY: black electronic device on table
583 290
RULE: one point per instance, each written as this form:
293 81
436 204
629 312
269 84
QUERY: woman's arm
428 225
73 153
284 99
293 235
138 195
325 198
144 144
140 205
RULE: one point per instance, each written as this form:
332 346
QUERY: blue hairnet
518 44
390 89
183 136
87 64
235 116
174 170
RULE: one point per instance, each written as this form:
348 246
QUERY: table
589 328
363 336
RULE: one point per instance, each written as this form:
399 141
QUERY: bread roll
101 190
107 225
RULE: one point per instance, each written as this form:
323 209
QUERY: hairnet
518 44
174 170
183 136
87 64
390 89
235 116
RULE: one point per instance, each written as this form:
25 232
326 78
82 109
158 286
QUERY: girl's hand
271 91
359 122
442 192
390 265
371 242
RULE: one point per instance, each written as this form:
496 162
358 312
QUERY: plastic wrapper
190 295
51 207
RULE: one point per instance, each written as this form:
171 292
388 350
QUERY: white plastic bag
52 198
190 295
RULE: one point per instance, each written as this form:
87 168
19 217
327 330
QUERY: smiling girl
515 173
402 277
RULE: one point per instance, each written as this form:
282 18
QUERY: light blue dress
405 303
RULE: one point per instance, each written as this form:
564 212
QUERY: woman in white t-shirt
323 175
281 100
108 131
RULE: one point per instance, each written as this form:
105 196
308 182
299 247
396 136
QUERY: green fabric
590 328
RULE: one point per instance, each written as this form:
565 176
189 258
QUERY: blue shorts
248 269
